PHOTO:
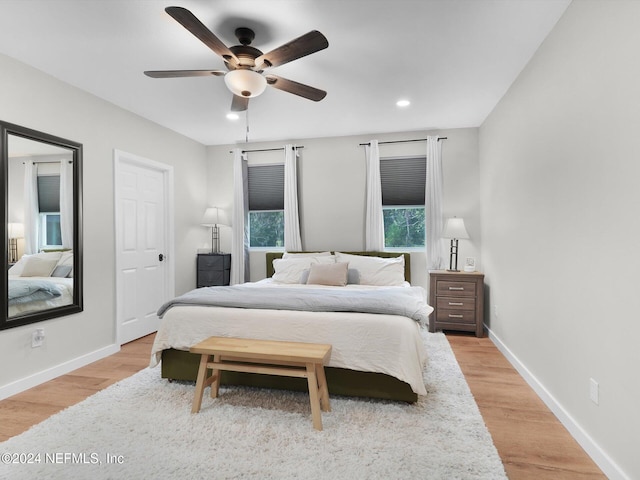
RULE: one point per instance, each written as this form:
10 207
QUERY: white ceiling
453 59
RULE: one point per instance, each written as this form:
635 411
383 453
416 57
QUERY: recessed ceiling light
403 103
233 116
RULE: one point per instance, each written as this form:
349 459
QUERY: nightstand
457 299
214 269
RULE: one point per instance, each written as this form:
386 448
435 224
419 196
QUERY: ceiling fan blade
189 21
300 47
296 88
183 73
239 104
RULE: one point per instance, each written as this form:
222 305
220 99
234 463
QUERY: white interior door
143 263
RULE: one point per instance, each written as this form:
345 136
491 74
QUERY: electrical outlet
594 391
37 337
495 310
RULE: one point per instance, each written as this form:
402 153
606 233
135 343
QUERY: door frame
119 158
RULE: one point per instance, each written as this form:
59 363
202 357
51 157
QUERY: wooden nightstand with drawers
458 301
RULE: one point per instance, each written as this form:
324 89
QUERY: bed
40 282
371 316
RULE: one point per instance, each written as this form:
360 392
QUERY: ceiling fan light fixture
245 83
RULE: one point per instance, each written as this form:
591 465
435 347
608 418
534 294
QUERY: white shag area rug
142 428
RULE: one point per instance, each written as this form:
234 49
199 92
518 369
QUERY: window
266 205
403 182
49 233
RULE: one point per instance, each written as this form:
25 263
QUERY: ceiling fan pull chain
246 137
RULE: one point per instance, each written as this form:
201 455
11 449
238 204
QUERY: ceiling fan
246 64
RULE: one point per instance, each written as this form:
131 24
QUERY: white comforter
65 285
389 344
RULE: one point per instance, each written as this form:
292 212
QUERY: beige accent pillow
290 270
39 267
334 274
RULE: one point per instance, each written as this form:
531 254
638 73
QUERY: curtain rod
404 141
266 149
40 163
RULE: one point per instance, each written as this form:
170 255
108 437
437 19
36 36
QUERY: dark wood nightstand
214 269
458 301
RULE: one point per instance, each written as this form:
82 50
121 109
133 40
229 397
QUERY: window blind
403 180
49 193
266 187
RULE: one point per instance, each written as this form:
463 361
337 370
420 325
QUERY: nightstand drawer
456 316
467 289
213 277
456 303
214 262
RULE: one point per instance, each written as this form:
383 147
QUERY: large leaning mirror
42 178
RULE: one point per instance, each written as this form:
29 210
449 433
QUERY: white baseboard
604 461
55 371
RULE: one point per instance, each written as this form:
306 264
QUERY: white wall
560 215
331 189
38 101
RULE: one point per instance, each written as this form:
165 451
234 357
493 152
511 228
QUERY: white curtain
239 236
433 207
66 203
374 222
31 211
292 241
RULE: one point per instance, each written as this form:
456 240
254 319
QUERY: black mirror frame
7 129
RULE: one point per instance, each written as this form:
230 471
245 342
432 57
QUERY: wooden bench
291 359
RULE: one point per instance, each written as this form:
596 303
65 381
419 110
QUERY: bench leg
313 396
215 383
200 384
325 405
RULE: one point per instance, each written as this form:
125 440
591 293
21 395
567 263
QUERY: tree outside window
404 227
266 228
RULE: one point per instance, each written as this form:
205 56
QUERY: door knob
161 257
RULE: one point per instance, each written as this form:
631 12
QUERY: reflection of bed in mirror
41 282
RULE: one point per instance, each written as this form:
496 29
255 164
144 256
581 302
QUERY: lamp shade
214 216
245 83
16 230
454 228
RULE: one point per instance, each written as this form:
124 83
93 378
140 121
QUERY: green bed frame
181 365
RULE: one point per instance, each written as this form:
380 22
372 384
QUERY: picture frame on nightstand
470 264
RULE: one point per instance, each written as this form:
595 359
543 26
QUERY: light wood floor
531 442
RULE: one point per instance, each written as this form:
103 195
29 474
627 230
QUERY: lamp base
453 256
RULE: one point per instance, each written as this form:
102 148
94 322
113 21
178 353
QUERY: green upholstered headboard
407 260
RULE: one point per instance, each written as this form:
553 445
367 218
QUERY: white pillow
66 260
36 266
19 266
305 254
376 270
290 270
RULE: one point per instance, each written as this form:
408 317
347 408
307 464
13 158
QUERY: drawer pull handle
451 315
456 303
456 288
